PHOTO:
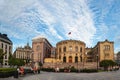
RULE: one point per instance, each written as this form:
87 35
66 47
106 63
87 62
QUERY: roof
4 38
38 37
70 41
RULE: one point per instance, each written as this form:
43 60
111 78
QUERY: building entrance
70 59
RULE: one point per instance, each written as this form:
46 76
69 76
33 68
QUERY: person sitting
21 70
35 70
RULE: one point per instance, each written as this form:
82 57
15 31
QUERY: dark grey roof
4 38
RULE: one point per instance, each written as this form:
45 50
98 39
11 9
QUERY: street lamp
97 61
78 66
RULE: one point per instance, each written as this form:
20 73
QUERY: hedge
88 70
7 72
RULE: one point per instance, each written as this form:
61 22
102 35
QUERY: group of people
57 69
35 69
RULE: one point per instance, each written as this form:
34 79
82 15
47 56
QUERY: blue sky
87 20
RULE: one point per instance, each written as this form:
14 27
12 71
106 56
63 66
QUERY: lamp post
78 66
97 61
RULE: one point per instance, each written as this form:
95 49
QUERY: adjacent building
41 49
104 50
5 44
89 54
118 58
24 53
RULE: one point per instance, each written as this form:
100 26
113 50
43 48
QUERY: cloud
54 19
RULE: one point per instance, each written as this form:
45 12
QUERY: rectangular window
2 45
5 56
81 49
9 49
5 46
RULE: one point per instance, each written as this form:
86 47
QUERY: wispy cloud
54 19
87 20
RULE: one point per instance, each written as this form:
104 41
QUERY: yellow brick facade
104 50
70 51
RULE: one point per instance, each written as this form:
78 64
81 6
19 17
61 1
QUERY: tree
107 63
15 62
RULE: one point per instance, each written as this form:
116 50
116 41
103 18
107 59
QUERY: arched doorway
64 59
70 59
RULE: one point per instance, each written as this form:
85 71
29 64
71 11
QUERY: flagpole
69 34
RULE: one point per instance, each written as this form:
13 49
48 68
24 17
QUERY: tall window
64 49
76 48
2 45
38 48
60 57
70 48
76 59
9 49
64 59
59 49
80 49
5 56
5 46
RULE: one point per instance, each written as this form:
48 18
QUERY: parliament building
75 51
70 51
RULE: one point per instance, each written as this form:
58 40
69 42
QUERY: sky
89 21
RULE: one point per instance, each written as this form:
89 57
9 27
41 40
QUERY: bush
6 72
88 70
73 70
62 70
48 69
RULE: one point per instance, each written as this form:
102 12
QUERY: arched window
70 48
76 48
64 59
37 47
64 49
80 49
76 59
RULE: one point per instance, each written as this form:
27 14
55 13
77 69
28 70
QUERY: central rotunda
70 51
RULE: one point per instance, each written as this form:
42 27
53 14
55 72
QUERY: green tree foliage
40 64
107 63
15 62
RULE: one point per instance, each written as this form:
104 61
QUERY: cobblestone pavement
114 75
